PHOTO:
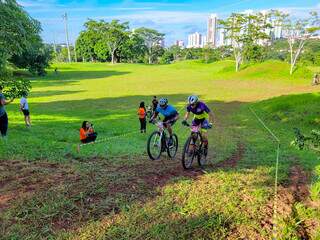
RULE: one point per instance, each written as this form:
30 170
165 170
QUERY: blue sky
175 18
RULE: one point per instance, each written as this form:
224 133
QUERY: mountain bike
194 148
158 143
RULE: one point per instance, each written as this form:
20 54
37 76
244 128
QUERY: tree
134 49
101 51
211 54
36 59
233 26
114 34
176 52
151 39
157 51
297 33
167 57
17 33
245 31
87 40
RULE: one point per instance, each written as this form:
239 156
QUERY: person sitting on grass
87 133
24 107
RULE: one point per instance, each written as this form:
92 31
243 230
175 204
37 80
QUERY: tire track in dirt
232 161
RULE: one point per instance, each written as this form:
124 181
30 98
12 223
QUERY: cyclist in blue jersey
170 116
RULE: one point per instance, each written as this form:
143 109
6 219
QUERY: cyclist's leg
168 124
204 133
195 123
169 128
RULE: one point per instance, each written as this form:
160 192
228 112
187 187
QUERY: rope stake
275 201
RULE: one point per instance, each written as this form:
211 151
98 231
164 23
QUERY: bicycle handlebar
186 124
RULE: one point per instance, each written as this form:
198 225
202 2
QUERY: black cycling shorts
170 120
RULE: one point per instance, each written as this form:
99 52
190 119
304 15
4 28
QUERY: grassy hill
112 191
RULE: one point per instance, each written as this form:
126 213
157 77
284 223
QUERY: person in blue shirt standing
170 116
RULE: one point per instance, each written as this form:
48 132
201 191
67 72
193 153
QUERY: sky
175 18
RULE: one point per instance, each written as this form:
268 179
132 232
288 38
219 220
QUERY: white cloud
161 17
30 4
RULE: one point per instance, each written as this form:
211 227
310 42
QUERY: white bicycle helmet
163 102
193 99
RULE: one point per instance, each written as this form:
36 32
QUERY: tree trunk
112 57
149 59
237 57
294 57
291 55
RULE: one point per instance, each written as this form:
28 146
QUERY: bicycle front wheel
154 145
172 149
202 156
188 153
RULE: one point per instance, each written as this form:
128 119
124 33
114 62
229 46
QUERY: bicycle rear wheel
154 146
188 154
172 150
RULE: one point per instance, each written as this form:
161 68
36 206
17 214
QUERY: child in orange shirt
142 113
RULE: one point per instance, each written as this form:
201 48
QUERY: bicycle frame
195 133
161 129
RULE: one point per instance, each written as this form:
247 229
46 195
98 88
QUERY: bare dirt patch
294 191
22 179
157 173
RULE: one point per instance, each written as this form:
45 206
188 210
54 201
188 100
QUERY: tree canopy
104 41
19 34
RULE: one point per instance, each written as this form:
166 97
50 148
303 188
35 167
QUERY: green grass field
111 190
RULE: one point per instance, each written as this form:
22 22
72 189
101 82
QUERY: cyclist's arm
211 117
186 116
155 115
210 113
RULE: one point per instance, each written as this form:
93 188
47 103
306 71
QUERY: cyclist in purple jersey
203 116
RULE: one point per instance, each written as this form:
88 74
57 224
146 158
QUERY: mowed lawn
111 190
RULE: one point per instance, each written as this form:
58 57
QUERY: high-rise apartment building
212 30
194 40
204 41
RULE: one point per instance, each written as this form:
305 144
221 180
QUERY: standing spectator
24 107
142 117
154 103
3 114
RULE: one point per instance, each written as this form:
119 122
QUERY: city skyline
177 19
216 34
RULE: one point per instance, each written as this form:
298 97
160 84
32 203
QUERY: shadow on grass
72 77
37 94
